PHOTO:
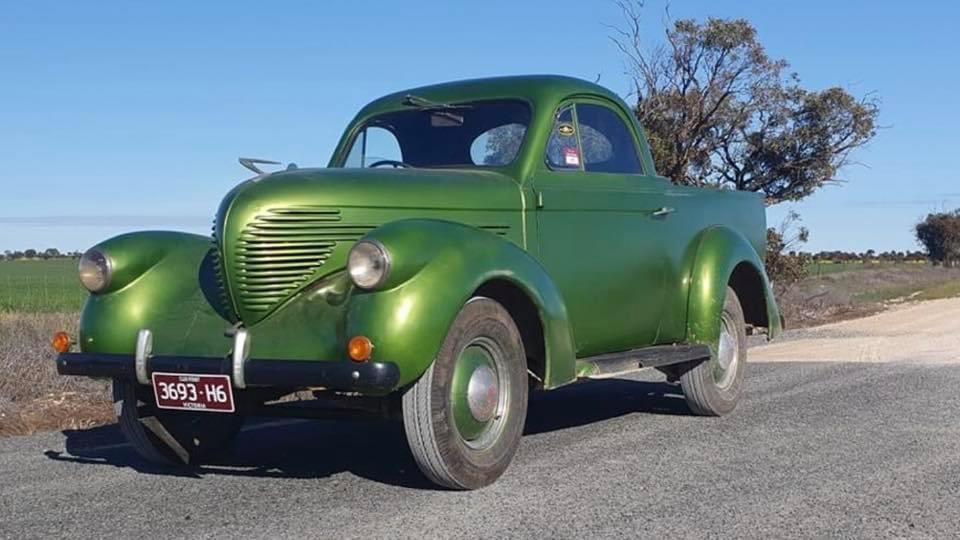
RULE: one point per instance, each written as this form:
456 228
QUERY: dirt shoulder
922 332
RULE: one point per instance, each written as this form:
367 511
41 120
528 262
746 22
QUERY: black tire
709 389
171 437
437 441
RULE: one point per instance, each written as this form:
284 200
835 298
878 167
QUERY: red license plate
189 392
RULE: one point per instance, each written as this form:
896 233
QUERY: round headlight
368 264
95 270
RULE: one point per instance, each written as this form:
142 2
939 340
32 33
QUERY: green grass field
935 291
823 269
40 286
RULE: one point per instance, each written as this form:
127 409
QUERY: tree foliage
503 143
940 235
785 266
49 253
718 111
869 256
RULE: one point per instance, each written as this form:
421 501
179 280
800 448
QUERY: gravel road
850 430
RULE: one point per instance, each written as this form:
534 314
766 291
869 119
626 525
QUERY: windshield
479 133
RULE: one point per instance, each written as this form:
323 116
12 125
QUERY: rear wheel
464 417
170 437
714 387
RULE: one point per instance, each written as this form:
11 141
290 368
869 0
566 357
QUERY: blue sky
124 115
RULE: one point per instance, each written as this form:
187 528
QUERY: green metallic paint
637 256
340 206
605 272
720 251
614 285
543 92
310 326
409 318
164 281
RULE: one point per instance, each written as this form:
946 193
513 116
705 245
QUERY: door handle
663 211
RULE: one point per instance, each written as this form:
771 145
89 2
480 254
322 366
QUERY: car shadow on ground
375 450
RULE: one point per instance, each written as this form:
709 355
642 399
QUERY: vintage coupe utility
468 243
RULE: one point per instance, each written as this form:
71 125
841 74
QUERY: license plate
189 392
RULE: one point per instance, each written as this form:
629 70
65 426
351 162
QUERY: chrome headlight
95 270
368 264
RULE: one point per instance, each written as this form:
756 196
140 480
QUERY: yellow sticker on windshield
565 129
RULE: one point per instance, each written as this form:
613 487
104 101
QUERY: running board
616 364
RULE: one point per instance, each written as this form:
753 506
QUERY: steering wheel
396 164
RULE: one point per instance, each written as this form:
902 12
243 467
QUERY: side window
608 145
372 145
563 149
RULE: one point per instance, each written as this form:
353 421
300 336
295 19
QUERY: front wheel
714 387
170 437
464 417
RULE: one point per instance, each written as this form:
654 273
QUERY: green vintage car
467 244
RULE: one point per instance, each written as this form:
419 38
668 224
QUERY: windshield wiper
436 108
427 104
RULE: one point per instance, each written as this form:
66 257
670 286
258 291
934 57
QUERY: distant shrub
940 235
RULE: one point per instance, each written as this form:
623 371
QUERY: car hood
278 233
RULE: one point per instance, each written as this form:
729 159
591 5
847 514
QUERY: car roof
537 89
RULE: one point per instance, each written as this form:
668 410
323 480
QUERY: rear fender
720 251
436 266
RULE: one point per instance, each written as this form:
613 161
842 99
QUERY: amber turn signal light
61 342
360 348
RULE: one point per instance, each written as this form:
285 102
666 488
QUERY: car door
601 226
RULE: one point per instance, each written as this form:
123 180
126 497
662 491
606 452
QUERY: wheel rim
479 393
728 354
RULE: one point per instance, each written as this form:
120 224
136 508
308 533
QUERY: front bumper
366 377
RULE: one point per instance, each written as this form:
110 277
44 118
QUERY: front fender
436 267
720 250
164 281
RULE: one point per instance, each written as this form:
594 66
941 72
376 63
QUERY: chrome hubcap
728 354
479 393
483 393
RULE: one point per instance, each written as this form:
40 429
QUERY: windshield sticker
565 129
571 157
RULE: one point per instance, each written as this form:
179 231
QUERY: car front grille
281 249
219 274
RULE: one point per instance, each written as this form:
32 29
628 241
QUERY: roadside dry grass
851 294
32 396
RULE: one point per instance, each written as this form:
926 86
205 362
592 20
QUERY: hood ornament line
251 164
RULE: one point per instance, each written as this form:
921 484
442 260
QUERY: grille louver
279 251
218 272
